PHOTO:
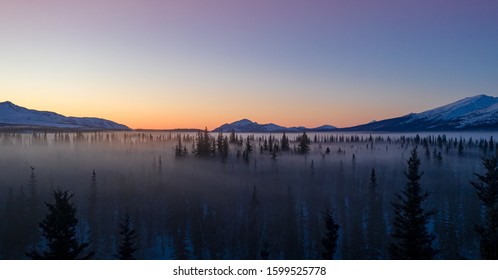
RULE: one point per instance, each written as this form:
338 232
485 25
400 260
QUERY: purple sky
163 64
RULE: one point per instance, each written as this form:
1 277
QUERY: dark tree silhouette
59 230
304 143
203 143
284 143
93 217
412 238
127 247
375 226
180 149
222 146
329 240
33 208
487 190
460 147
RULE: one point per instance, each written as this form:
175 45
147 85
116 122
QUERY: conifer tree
410 226
329 240
284 143
375 227
487 190
59 230
460 147
180 149
127 247
304 143
33 207
93 218
203 143
233 137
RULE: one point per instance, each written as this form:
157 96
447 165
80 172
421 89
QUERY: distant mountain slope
12 115
472 113
246 125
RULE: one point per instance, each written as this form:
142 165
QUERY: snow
467 112
459 109
488 115
11 114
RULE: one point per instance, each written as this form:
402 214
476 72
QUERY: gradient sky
186 63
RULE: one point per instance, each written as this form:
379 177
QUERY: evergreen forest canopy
248 196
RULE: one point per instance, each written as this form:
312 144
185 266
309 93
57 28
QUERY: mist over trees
247 196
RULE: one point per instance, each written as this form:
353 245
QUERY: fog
235 207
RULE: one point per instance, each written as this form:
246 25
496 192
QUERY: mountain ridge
246 125
478 112
12 115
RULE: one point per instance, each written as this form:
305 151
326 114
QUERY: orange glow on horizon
141 114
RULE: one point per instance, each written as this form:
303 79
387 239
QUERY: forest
165 195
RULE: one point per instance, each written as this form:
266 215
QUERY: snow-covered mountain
246 125
12 115
472 113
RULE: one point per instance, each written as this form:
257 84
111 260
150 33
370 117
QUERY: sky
201 63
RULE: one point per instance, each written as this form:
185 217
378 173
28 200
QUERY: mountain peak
8 103
244 122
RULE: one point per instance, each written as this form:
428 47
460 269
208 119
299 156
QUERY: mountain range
15 117
246 125
472 113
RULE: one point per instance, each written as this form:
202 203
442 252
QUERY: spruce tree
375 226
304 143
93 217
284 143
329 240
410 226
127 247
487 190
33 208
180 149
460 147
59 230
204 146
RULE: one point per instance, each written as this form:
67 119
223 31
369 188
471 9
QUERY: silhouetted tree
180 149
329 240
127 246
222 145
375 227
59 230
233 137
410 227
284 143
92 212
33 207
303 143
32 187
460 147
203 143
487 190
